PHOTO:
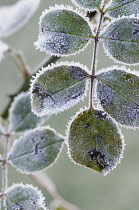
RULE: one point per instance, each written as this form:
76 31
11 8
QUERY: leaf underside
63 32
58 88
118 93
36 150
121 40
94 141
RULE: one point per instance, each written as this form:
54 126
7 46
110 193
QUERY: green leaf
88 4
24 197
121 40
95 141
63 31
21 118
36 150
118 92
119 8
14 17
57 88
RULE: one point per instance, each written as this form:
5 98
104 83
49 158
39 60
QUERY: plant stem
94 61
26 85
40 178
5 169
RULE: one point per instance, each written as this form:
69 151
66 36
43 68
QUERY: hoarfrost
118 93
88 4
121 40
23 197
123 8
12 18
95 141
36 150
21 118
58 88
63 31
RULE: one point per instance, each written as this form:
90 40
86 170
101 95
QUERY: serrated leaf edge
104 70
26 133
42 198
51 66
68 8
104 172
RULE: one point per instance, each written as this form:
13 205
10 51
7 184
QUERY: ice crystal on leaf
121 40
119 8
118 93
88 4
63 31
25 197
21 118
36 149
94 141
58 87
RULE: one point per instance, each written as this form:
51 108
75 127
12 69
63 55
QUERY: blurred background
119 190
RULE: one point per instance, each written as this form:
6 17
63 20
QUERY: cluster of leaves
94 139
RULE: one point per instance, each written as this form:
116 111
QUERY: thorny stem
26 85
40 179
94 62
5 169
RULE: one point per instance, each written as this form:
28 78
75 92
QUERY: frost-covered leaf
58 88
3 48
63 31
21 118
88 4
36 150
13 17
119 8
121 40
2 130
118 92
95 141
24 197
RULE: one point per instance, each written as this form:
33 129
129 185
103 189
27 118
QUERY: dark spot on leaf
100 115
77 72
98 139
87 126
97 156
79 22
121 46
41 94
105 94
133 112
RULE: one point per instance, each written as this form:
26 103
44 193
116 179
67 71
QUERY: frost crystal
36 149
63 31
88 4
12 18
121 40
94 141
24 197
21 117
58 88
118 93
123 8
